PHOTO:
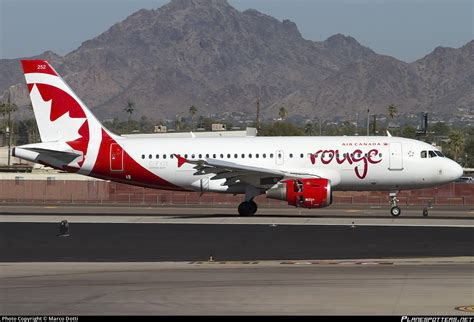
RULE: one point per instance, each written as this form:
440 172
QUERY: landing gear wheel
425 212
247 209
254 207
395 211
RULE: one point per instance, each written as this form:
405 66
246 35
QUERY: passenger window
380 155
185 156
222 156
250 156
256 155
157 156
236 156
200 156
271 155
291 155
279 155
150 156
214 155
207 155
301 155
264 155
228 156
164 156
243 156
143 156
423 154
171 156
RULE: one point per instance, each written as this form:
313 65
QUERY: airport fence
104 192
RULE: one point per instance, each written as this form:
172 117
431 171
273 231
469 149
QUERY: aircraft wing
235 173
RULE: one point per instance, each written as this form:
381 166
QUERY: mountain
208 54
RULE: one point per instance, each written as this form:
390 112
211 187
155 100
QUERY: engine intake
307 193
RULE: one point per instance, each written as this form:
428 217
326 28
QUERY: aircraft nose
454 170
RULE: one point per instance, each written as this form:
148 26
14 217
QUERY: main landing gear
395 210
248 208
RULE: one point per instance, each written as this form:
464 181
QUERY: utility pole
357 123
9 136
8 108
258 114
368 122
375 125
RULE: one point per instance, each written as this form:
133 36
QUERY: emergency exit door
116 157
395 157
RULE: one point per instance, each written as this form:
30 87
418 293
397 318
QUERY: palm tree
282 113
456 143
129 110
6 108
193 111
308 129
392 111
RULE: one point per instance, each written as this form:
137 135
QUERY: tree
193 111
308 129
280 129
392 111
456 143
7 108
469 152
408 131
283 113
129 110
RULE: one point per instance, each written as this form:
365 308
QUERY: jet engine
307 193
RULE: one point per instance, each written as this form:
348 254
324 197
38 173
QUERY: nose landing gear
395 210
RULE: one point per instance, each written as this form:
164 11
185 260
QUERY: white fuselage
350 162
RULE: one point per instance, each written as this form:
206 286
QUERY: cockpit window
423 154
432 154
439 154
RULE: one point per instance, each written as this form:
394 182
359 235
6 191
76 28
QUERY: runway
37 242
200 261
215 289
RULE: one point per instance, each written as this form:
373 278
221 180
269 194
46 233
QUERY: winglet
181 160
388 134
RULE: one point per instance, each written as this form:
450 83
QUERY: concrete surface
271 288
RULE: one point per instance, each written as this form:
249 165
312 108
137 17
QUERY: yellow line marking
51 207
465 308
353 210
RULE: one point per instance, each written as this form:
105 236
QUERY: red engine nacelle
307 193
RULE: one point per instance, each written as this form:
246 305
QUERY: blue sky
405 29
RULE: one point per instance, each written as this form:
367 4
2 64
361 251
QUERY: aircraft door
116 157
395 157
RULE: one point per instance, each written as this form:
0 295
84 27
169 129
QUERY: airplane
303 171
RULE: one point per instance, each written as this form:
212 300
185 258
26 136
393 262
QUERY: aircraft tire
395 211
246 209
254 206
